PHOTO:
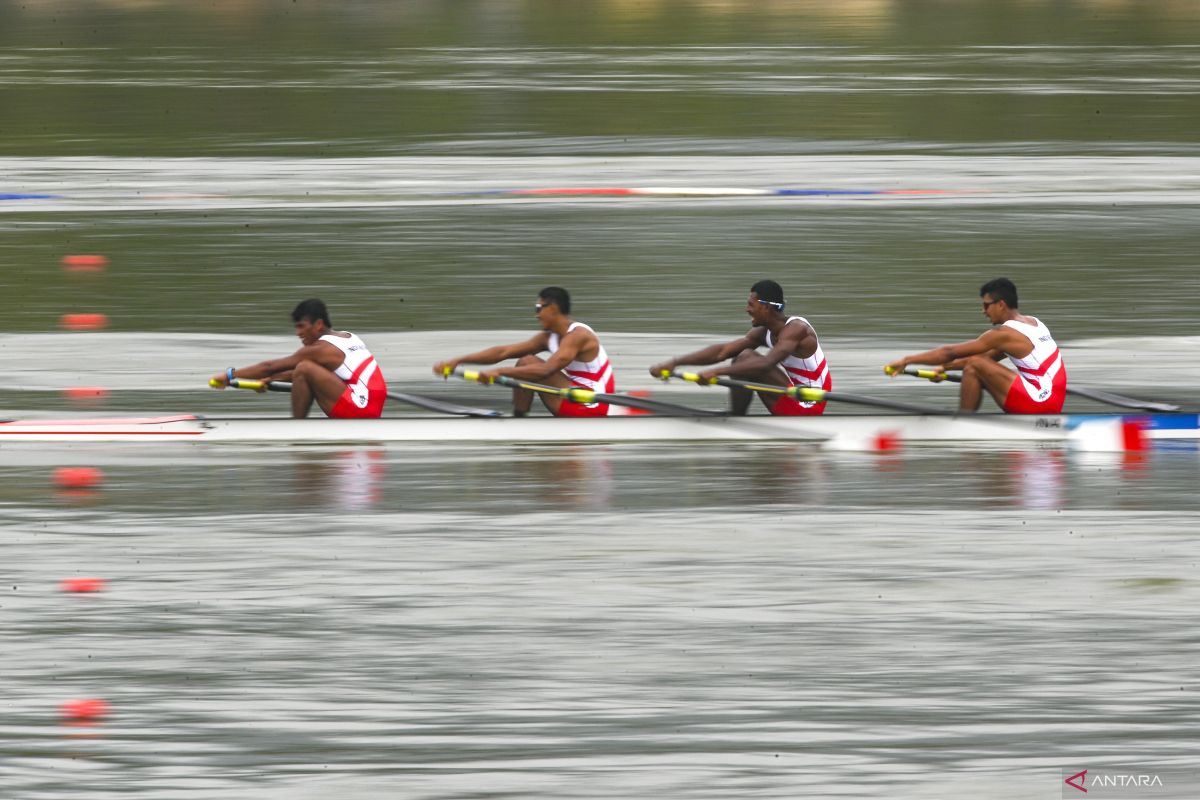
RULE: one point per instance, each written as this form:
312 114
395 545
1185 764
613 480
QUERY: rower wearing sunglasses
1039 384
793 357
576 359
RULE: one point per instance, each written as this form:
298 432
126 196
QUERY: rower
576 359
794 357
1039 384
334 368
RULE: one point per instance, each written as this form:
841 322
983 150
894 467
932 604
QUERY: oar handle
253 385
807 394
240 383
576 394
927 374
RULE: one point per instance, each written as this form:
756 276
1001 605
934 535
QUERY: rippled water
684 621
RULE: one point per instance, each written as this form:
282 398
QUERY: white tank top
596 374
811 371
1044 362
356 355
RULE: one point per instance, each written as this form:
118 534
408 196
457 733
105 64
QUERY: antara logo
1081 777
1110 780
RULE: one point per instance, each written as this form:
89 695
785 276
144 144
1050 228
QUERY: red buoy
84 263
77 477
83 322
85 709
81 585
85 392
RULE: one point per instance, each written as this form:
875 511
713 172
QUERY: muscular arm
794 338
280 369
712 354
494 355
994 344
570 348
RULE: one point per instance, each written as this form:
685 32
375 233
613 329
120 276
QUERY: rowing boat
851 431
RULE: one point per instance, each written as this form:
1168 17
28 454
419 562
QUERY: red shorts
346 408
1020 401
785 406
568 408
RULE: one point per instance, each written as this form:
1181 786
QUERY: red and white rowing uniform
812 371
365 387
596 375
1041 384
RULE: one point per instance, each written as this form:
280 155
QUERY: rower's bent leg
311 381
523 398
980 373
739 399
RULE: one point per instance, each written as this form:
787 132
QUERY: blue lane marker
30 196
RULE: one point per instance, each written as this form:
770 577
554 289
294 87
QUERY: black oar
421 401
585 396
1108 398
807 394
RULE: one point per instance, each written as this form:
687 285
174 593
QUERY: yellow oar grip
664 373
695 378
214 383
447 372
581 396
470 375
928 373
890 370
806 393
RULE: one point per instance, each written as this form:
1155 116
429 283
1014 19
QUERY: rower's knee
305 369
973 366
525 361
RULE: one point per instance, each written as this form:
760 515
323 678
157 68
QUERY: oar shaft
583 396
427 403
809 394
1100 396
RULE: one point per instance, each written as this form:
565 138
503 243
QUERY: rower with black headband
794 357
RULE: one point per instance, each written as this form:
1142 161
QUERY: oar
1108 398
585 396
808 394
421 401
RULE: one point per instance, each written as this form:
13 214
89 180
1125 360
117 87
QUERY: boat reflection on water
1036 478
346 480
579 476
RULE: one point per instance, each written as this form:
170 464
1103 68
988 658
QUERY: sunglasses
539 306
771 303
987 303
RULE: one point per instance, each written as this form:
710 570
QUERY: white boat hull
1101 432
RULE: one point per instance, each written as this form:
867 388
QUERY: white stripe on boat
993 431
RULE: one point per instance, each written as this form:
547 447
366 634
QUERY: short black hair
558 296
769 292
311 310
1001 289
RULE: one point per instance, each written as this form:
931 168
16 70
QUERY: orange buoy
85 392
83 322
77 477
81 585
84 263
85 709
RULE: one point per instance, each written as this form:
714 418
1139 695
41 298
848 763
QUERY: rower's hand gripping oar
583 396
420 401
807 394
1108 398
